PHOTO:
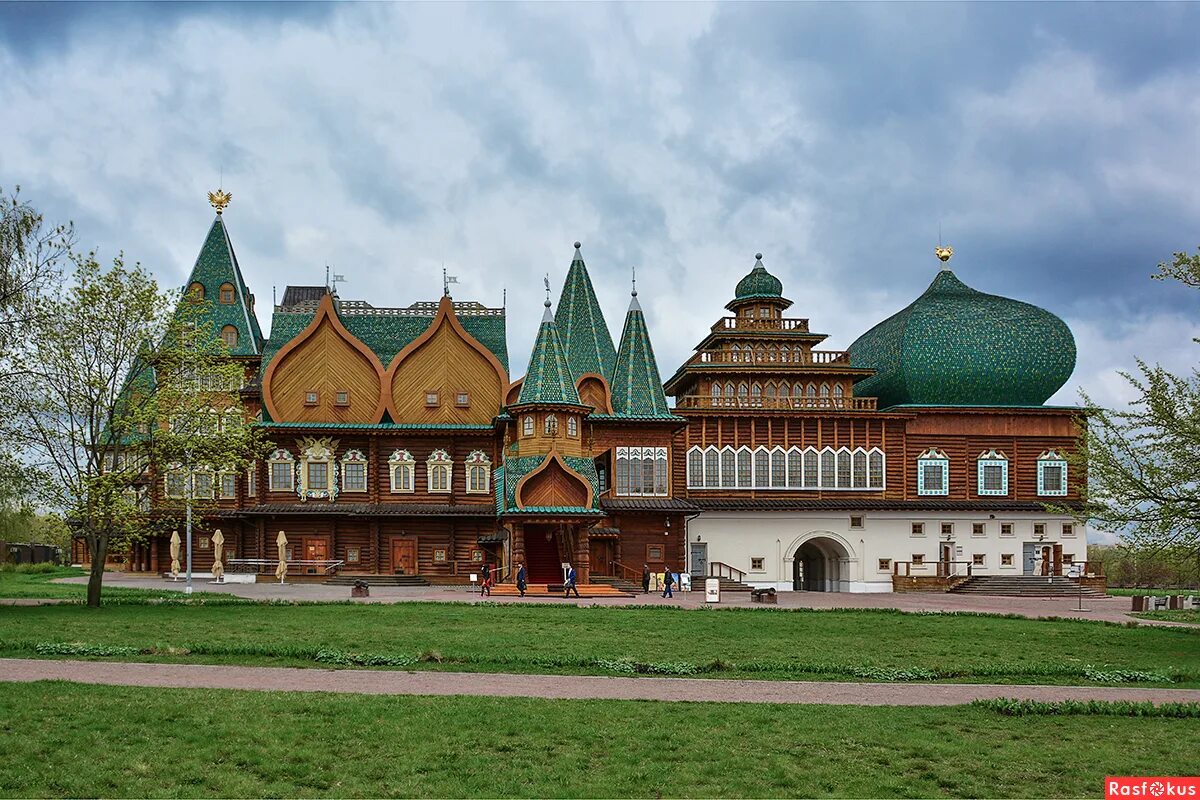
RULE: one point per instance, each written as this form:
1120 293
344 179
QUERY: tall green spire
548 379
217 266
586 342
636 387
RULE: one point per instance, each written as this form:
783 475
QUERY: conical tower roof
216 266
548 379
636 386
586 342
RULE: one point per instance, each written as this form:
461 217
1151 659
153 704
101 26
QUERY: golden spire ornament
219 199
944 254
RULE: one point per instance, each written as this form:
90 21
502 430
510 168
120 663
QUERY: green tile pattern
586 341
510 474
217 265
957 346
636 386
548 379
759 283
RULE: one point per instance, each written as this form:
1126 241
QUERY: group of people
485 588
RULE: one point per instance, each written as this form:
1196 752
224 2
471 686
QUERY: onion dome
957 346
758 285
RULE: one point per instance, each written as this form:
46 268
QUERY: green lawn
124 742
1178 615
796 644
20 584
1118 592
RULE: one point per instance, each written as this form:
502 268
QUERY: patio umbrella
175 554
218 569
281 543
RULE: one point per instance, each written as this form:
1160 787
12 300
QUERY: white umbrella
175 554
281 543
218 569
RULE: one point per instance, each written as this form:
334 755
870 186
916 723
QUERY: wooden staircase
727 585
556 590
620 584
1023 586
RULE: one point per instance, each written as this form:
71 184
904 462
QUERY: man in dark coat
522 584
645 579
667 581
570 584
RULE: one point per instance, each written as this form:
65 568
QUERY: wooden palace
403 446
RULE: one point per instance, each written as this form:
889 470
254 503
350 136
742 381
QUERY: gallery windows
1051 474
933 473
641 471
992 476
791 468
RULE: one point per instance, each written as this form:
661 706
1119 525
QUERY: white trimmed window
479 473
354 471
318 473
762 468
202 485
712 468
252 480
572 426
828 469
527 426
550 426
811 469
933 473
439 472
843 469
745 470
859 472
695 468
728 468
779 468
401 466
993 473
1051 474
876 474
282 471
175 483
641 471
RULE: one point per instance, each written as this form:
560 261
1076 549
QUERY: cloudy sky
1056 146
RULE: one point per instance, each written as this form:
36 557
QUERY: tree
1143 478
114 378
30 259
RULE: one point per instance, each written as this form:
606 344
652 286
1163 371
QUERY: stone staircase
727 585
620 584
1023 586
556 590
377 580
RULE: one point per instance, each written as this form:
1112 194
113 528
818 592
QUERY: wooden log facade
403 446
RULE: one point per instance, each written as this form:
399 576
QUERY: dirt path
564 687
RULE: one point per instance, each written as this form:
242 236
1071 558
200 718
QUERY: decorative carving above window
318 473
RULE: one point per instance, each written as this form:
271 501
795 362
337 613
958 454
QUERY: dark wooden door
315 549
602 556
404 557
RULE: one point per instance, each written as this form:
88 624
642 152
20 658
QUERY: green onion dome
957 346
758 285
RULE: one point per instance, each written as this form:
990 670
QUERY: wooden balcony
769 356
759 324
805 403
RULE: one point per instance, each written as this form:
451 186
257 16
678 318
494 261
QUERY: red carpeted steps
556 590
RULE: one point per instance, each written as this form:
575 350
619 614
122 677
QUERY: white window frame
281 456
355 458
211 493
175 471
402 459
991 458
695 468
642 472
221 480
527 426
1051 458
934 459
478 464
572 426
439 468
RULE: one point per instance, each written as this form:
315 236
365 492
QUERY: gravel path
562 687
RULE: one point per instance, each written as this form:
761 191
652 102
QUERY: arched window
229 335
712 468
716 394
812 390
479 473
769 392
729 394
778 469
824 394
772 354
875 469
859 476
1052 474
992 467
527 426
226 294
401 465
728 468
550 427
762 469
843 469
572 426
783 390
175 482
623 470
318 478
743 394
661 479
795 468
744 470
439 471
196 292
735 354
695 468
811 473
760 354
837 394
933 473
828 469
354 471
281 471
756 394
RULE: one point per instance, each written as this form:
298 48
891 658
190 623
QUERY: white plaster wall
735 538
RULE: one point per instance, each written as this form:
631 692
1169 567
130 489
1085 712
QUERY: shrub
1020 708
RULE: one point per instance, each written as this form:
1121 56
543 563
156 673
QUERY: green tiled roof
957 346
586 342
758 285
636 386
388 333
548 379
508 476
217 265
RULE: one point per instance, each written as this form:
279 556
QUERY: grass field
123 742
1172 616
17 583
1119 592
796 644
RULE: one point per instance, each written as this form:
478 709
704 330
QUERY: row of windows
771 354
641 471
320 474
550 426
977 560
980 528
206 485
226 294
208 423
933 473
749 392
777 468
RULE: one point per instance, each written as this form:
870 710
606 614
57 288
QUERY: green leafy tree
31 256
1143 482
116 377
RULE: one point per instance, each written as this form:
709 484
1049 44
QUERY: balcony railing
760 324
780 356
778 403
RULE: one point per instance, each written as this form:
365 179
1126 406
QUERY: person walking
570 586
668 579
522 582
485 587
645 579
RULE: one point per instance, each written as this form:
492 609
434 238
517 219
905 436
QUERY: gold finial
219 199
944 254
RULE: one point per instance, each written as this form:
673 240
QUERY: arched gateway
821 564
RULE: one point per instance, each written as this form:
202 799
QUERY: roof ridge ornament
944 254
219 199
547 316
